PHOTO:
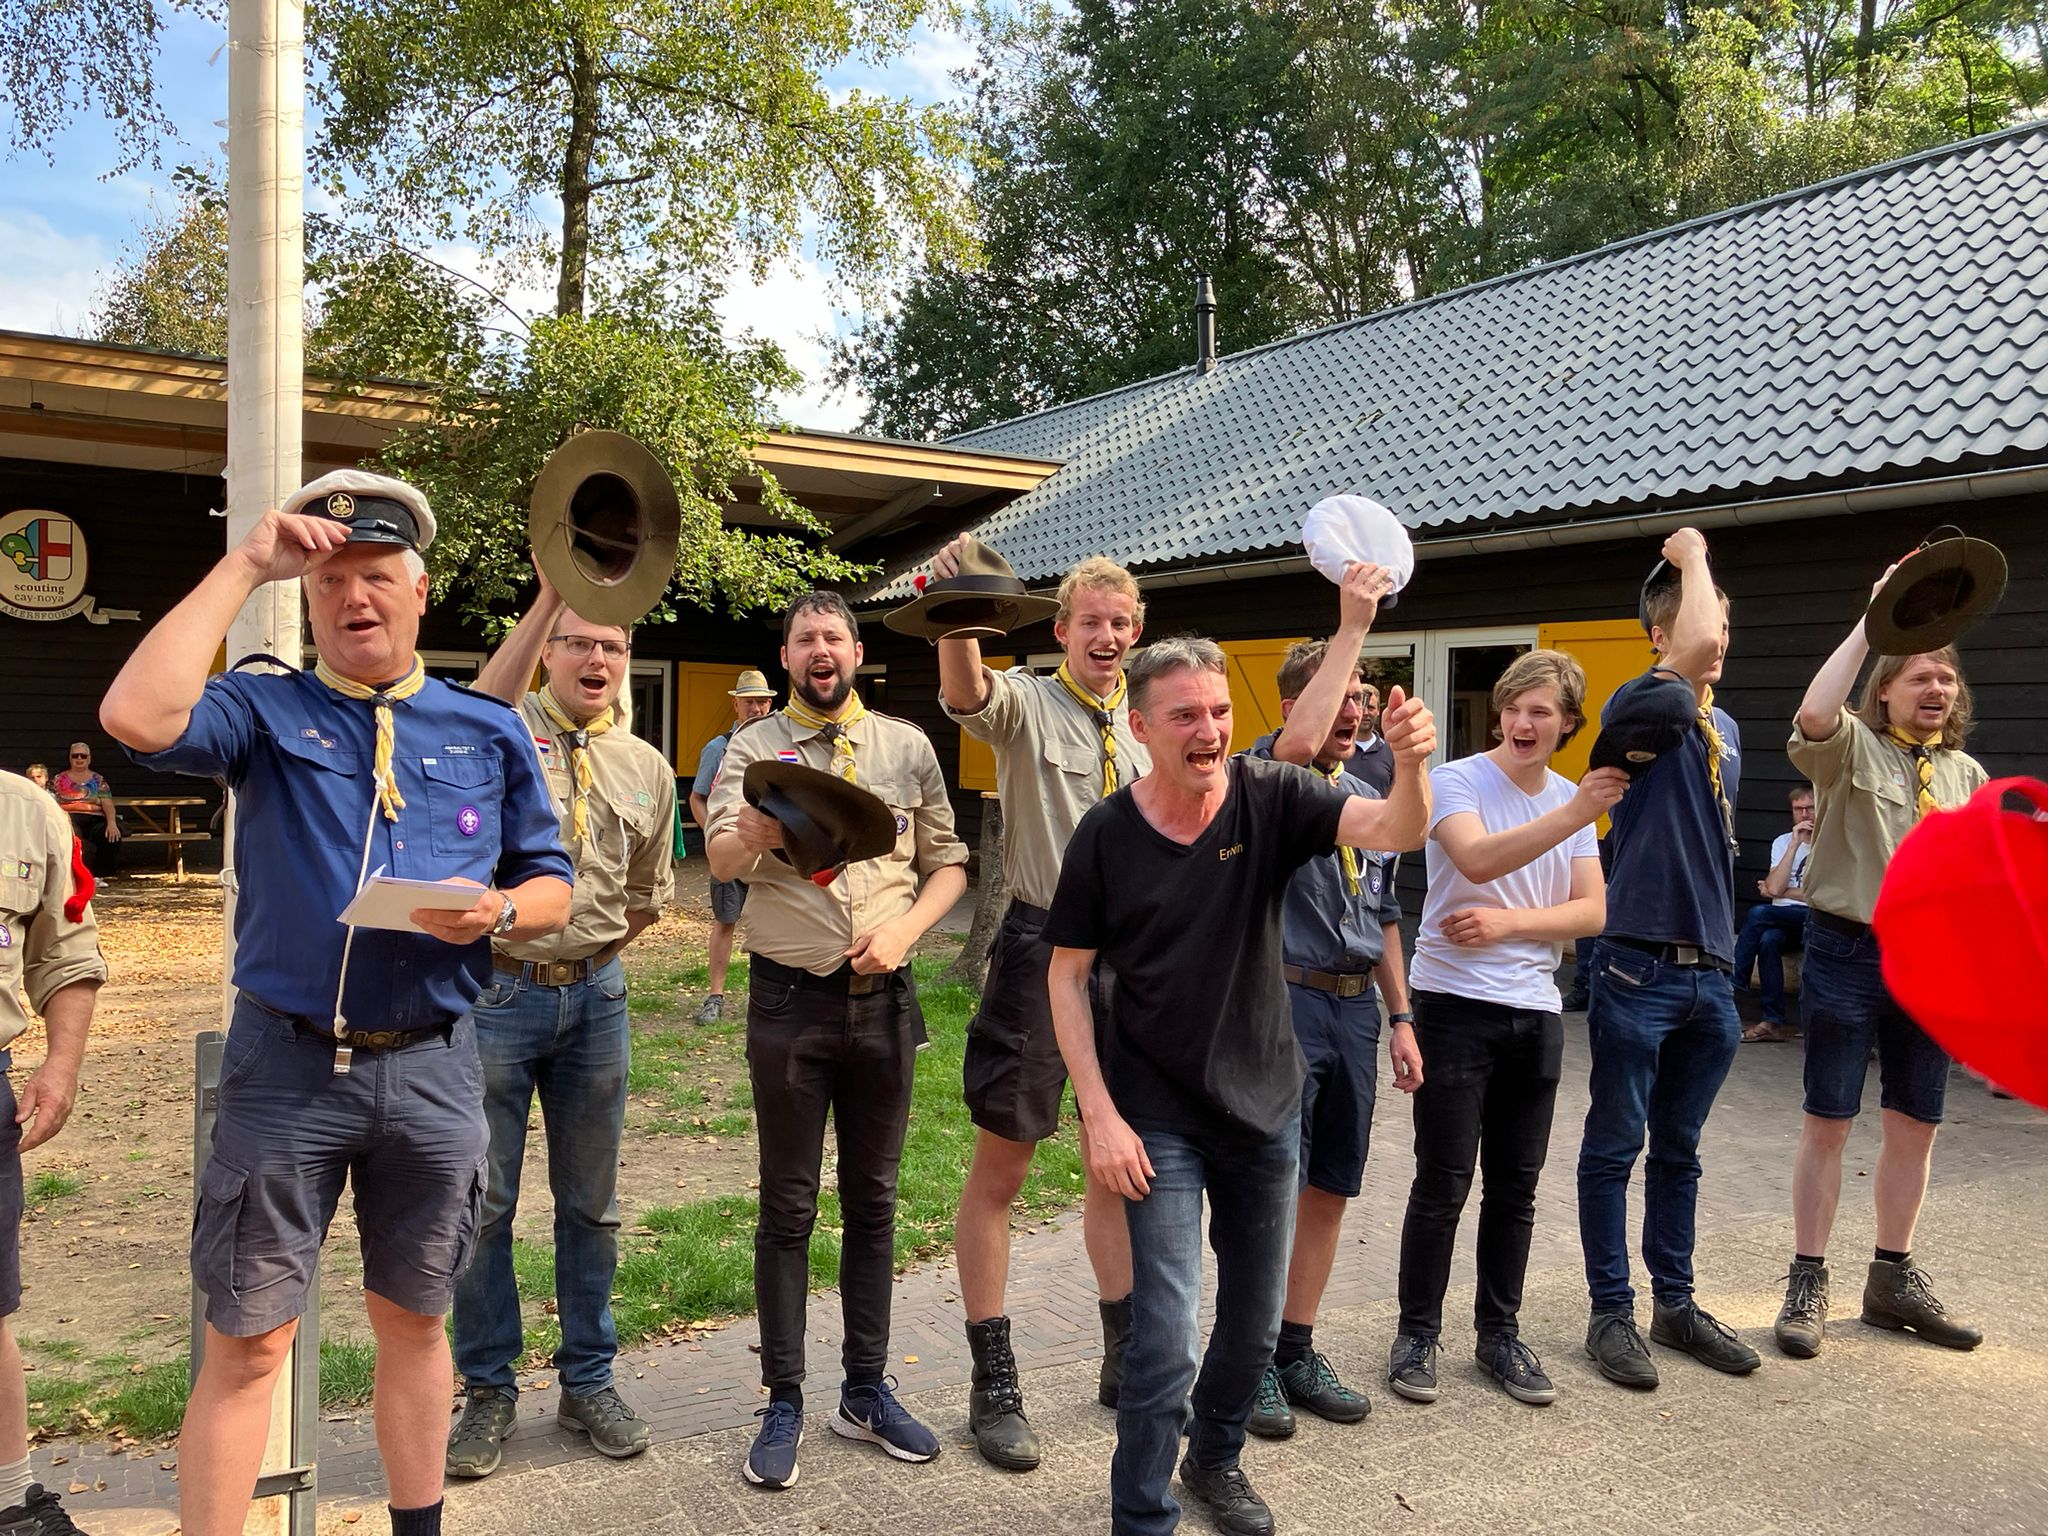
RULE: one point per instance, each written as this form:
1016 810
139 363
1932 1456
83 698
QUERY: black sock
1297 1342
416 1522
864 1379
787 1395
1817 1260
1894 1255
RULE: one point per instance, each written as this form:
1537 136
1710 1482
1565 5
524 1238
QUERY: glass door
647 693
1459 669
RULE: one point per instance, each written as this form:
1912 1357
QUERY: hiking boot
1227 1494
771 1461
712 1009
1688 1326
1617 1348
873 1414
1116 1338
475 1444
1411 1367
1271 1418
1898 1295
615 1430
1802 1321
1514 1365
38 1513
1313 1385
995 1405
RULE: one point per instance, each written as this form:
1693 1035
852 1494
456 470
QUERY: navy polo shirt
1673 878
1323 925
299 757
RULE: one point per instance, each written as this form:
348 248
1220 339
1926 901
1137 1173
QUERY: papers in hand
386 901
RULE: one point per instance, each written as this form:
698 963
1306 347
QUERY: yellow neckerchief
387 782
577 734
1922 752
1716 749
832 730
1104 712
1348 854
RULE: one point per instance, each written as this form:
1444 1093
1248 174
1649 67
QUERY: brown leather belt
556 973
1356 984
844 982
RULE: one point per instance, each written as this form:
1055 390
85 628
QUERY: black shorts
1013 1073
728 899
10 1195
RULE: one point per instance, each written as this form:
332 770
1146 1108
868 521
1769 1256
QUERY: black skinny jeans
1489 1084
810 1052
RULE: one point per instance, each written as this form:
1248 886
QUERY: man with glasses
554 1019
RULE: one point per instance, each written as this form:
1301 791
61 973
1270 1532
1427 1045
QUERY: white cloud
52 276
793 308
930 61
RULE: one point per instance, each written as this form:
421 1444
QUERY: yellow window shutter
1612 651
977 757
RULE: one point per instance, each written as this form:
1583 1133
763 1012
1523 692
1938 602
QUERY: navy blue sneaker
772 1461
873 1414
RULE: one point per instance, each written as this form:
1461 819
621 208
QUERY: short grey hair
1176 653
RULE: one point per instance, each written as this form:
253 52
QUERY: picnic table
160 819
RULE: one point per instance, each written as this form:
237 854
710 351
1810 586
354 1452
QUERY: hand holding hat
972 594
1935 593
824 822
1342 529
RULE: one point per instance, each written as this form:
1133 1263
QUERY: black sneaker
1690 1327
1227 1494
1514 1365
873 1414
1576 1000
1411 1367
475 1445
771 1463
1313 1385
39 1513
615 1430
1271 1418
1617 1348
1802 1321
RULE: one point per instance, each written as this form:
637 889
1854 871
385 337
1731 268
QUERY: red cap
1962 920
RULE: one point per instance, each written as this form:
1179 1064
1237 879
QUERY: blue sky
63 223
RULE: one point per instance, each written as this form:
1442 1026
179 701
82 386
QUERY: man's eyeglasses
581 646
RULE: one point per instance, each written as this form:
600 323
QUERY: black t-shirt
1202 1042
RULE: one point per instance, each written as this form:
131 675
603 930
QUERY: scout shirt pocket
327 805
1077 763
903 797
1884 782
464 796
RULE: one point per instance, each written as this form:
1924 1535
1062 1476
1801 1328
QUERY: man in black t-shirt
1178 882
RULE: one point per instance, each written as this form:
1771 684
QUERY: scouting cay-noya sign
43 568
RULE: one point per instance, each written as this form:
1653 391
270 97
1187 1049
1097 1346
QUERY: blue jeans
1251 1193
573 1045
1767 934
1663 1038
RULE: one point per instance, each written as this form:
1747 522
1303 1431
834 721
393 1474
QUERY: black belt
1687 956
373 1039
1037 914
1848 928
1352 984
555 973
844 982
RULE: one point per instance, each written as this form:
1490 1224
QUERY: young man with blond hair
1062 743
1877 770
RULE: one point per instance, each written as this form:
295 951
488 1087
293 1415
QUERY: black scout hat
1643 724
827 822
986 598
1938 591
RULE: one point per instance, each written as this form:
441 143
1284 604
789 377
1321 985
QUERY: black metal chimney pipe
1205 323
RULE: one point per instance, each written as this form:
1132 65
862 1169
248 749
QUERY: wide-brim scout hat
1962 925
377 508
827 822
752 685
604 524
1938 591
1341 529
1640 726
985 599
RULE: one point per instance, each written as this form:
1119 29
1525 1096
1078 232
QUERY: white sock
14 1483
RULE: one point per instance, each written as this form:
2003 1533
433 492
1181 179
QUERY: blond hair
1545 669
1098 573
1954 730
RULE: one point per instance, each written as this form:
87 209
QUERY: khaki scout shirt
626 863
1865 792
39 945
793 921
1048 770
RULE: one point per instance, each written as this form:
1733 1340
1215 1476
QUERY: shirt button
398 843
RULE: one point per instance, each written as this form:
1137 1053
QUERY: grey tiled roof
1857 329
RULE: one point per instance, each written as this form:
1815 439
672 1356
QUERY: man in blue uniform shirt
352 1054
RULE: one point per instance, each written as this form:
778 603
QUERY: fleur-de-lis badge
341 504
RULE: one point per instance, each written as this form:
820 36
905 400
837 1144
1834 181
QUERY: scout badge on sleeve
1938 591
985 599
827 822
1341 529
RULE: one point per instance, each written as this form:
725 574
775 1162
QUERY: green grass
149 1403
348 1369
152 1404
51 1185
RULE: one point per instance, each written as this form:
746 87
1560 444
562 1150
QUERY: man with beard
352 1055
1877 770
554 1020
1179 881
1061 744
833 1024
1340 937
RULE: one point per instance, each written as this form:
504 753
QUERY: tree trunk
1866 69
583 107
971 969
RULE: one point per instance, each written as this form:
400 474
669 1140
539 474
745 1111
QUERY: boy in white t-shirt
1514 871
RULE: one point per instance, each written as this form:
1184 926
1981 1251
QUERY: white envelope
385 901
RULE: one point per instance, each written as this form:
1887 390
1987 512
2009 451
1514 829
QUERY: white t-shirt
1795 878
1516 973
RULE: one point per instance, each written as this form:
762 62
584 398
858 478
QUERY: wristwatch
1403 1017
506 918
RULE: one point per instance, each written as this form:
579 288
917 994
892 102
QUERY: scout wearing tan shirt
554 1021
1061 743
57 956
1876 772
833 1024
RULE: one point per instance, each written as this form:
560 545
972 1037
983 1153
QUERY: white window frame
1433 668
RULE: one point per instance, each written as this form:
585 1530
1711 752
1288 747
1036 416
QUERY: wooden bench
160 819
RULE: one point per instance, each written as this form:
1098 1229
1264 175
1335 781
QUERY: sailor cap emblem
341 504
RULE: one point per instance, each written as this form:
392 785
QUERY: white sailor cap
1341 529
377 508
